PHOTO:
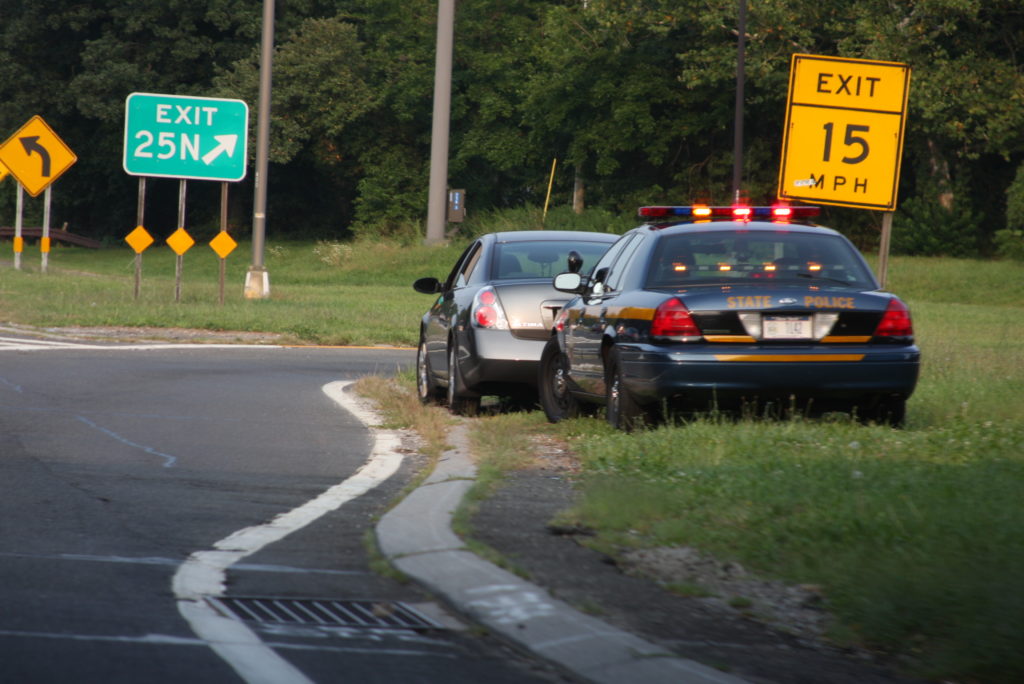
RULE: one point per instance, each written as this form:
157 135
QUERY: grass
915 535
320 293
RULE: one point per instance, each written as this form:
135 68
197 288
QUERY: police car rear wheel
623 412
888 411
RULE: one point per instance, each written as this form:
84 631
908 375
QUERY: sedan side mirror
427 285
568 282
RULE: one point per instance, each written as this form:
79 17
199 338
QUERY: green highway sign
197 138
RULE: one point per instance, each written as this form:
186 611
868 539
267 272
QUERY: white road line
170 640
156 560
204 572
22 340
17 388
24 344
169 460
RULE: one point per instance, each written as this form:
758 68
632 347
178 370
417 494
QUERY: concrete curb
416 537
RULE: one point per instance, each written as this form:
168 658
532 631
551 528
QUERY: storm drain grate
325 612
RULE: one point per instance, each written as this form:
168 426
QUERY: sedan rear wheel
458 402
426 385
623 411
553 384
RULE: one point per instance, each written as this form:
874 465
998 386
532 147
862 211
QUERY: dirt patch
729 586
717 613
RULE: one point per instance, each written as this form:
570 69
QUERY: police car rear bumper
653 374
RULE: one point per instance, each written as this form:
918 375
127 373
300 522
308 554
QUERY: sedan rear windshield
727 256
543 259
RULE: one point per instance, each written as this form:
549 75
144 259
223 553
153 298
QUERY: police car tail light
672 320
895 321
487 311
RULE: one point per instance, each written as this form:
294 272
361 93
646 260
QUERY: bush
1015 201
923 227
1010 244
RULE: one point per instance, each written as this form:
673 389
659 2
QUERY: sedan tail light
895 321
672 320
487 311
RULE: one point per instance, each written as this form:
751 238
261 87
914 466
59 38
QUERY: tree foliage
634 98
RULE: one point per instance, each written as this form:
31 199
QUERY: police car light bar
778 212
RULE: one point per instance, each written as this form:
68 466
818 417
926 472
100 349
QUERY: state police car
729 308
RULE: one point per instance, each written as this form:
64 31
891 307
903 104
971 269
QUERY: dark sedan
757 312
485 332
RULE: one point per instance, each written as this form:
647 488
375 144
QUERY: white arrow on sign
225 143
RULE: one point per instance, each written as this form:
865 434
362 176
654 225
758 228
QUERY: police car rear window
727 256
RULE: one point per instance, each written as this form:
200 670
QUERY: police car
729 309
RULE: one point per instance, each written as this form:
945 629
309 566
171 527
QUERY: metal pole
737 146
438 190
19 242
551 181
223 229
44 241
140 215
257 281
883 248
179 262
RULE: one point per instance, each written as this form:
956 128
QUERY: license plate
787 327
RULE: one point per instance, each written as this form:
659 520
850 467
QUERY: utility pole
437 201
257 281
737 145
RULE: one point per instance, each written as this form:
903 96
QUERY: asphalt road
138 482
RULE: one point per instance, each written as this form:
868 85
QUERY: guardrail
59 235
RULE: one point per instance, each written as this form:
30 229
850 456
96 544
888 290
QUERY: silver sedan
493 314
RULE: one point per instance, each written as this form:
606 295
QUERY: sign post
188 138
843 138
223 244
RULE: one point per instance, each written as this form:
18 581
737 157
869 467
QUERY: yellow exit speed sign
843 139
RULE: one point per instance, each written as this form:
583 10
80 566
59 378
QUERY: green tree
965 132
636 98
603 98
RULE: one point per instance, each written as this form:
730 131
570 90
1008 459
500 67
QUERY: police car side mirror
569 282
427 285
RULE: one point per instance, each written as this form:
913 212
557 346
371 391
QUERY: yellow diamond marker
139 239
180 241
223 244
